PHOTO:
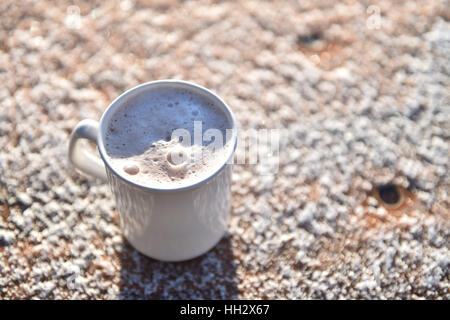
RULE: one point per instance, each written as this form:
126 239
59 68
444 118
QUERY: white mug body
174 226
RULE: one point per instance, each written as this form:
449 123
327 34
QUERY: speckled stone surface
365 101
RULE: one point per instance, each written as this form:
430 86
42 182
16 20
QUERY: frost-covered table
362 103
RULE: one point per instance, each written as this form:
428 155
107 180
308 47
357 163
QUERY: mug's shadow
210 276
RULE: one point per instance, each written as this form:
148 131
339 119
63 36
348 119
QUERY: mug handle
80 158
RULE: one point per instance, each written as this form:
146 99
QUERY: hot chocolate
168 137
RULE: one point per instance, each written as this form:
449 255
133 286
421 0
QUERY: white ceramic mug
166 224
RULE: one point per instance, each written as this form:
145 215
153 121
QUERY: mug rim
191 85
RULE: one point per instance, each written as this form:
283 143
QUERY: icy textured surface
363 105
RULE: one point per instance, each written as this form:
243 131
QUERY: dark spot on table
389 194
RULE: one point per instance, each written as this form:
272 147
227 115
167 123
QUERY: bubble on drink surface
177 157
131 169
